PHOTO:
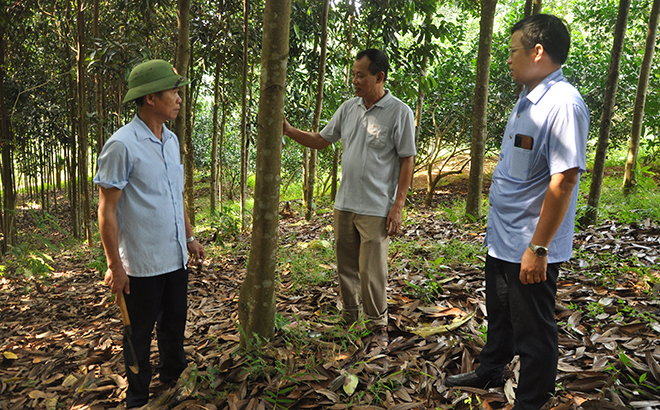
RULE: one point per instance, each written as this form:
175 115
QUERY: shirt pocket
377 135
521 163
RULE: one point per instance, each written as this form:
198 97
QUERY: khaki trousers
361 244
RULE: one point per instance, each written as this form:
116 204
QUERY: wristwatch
538 250
190 239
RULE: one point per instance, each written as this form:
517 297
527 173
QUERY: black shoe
471 379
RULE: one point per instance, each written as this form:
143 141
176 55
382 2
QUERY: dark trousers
160 300
521 321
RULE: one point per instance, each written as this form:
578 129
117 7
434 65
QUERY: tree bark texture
181 64
533 7
640 99
189 163
82 124
598 171
313 154
478 146
244 147
214 138
256 306
6 138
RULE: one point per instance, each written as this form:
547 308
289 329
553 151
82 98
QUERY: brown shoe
379 339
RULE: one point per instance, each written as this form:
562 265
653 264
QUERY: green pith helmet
151 77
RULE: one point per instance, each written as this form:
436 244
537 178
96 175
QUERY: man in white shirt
377 133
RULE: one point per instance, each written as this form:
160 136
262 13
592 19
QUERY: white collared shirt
556 119
152 236
373 141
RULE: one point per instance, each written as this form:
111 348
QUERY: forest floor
61 338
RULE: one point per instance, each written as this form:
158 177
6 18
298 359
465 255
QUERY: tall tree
598 172
6 139
82 123
533 7
640 99
244 114
182 61
313 154
478 146
256 305
216 185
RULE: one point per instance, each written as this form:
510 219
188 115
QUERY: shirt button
518 115
510 136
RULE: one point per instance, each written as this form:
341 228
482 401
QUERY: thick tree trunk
598 172
82 124
313 154
256 307
478 146
640 99
244 147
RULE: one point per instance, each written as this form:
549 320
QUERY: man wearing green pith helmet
144 227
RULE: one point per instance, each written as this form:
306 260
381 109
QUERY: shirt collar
380 103
144 132
539 91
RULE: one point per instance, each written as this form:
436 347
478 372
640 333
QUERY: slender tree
82 123
244 147
478 146
256 305
640 99
6 138
182 61
216 187
313 154
598 172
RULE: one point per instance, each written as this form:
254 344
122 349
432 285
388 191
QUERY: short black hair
378 61
141 100
547 30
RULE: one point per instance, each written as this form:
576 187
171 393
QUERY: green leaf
350 383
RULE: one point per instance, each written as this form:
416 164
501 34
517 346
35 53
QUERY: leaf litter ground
62 348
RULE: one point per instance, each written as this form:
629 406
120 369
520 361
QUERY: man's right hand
118 280
286 127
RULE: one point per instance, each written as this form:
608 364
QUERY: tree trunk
313 154
6 138
423 73
256 307
478 146
533 7
214 138
98 90
598 172
73 159
244 151
182 60
82 124
640 99
190 153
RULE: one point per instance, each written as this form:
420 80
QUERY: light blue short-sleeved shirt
373 141
152 235
556 118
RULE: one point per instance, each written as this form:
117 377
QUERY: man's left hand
196 252
533 268
394 220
